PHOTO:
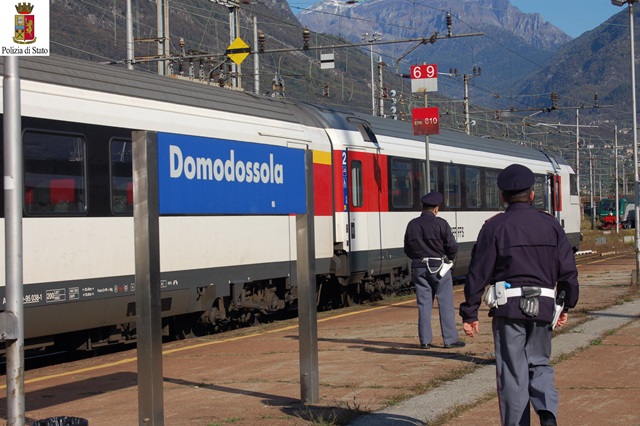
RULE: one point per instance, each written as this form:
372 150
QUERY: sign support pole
146 222
426 152
306 278
424 78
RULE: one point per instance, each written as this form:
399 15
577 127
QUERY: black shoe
547 418
458 344
425 346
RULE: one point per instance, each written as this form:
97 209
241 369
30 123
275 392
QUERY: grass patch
227 421
459 409
343 413
422 388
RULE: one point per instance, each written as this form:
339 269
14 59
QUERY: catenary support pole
130 47
635 145
615 157
13 317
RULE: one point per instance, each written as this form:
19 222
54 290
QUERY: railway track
42 358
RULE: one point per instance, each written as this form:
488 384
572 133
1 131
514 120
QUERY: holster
496 294
529 303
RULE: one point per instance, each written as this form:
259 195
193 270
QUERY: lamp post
371 38
635 134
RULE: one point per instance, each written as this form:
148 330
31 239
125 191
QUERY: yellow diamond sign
238 51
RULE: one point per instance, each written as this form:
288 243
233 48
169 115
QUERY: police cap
515 178
434 198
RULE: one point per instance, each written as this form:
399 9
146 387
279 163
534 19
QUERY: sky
574 17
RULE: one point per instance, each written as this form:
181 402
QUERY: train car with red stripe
232 161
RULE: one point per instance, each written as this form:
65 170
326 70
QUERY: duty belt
498 293
443 266
517 291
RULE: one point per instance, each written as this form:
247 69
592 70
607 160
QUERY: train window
54 173
472 187
573 184
492 199
401 183
419 180
540 189
356 184
365 131
452 185
433 174
121 176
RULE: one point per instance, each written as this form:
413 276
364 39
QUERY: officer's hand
562 319
471 328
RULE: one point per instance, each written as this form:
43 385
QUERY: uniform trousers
523 373
429 286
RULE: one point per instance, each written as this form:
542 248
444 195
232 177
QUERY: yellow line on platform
604 259
200 345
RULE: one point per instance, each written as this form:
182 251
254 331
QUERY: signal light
261 39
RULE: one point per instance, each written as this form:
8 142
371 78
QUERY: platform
370 370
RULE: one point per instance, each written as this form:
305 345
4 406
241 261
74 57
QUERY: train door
365 189
543 191
556 195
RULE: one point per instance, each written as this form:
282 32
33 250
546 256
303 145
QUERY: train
240 155
607 213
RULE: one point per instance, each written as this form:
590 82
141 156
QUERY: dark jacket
524 247
429 236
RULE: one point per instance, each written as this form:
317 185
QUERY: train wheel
180 327
346 297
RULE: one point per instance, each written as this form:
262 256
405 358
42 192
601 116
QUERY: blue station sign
200 175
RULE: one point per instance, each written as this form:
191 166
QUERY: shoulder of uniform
493 217
546 212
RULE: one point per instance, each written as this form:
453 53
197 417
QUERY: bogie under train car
368 172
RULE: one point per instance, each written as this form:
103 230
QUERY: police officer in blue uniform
525 253
429 243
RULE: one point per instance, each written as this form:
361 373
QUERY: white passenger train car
237 260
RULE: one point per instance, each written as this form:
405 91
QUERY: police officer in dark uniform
524 253
429 243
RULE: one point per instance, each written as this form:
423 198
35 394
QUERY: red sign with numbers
424 78
425 121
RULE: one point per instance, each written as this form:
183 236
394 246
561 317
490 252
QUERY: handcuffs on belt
443 267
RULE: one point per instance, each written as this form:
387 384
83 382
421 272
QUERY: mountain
599 61
512 44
